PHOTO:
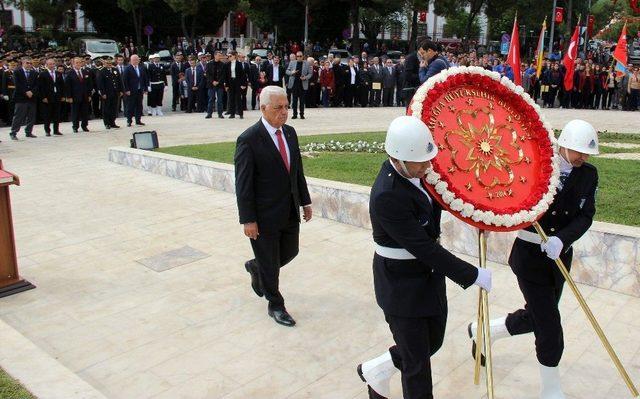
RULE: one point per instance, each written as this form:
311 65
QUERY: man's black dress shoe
14 137
282 317
57 134
252 269
140 124
301 116
128 124
33 136
294 117
115 126
107 127
85 129
75 130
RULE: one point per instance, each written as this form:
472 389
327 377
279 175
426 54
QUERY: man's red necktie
282 149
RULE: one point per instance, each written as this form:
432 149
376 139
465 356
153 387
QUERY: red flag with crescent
569 59
497 165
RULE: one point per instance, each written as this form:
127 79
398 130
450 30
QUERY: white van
98 47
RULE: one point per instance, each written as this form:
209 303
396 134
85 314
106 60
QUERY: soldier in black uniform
409 265
157 82
540 280
109 83
93 68
8 87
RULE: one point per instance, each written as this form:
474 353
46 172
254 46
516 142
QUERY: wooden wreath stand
10 281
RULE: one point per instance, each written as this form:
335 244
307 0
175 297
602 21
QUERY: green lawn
618 198
11 389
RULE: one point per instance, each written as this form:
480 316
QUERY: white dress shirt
272 132
415 181
276 73
233 69
353 75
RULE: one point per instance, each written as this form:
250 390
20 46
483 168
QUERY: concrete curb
608 256
38 372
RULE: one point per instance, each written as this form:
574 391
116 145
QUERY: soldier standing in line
157 82
109 84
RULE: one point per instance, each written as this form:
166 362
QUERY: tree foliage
194 12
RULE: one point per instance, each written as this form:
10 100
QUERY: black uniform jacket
264 188
568 218
402 217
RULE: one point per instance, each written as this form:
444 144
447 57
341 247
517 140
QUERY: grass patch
11 389
618 198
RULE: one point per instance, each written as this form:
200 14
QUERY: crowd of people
51 87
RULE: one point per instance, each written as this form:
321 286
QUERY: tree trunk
414 30
569 16
136 27
193 28
355 30
183 24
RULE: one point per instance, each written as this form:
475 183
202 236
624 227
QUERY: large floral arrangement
489 213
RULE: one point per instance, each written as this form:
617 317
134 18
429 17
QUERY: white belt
529 237
393 253
157 83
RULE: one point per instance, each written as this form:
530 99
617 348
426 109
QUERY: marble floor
83 226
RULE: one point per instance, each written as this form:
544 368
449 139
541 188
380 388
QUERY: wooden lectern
10 281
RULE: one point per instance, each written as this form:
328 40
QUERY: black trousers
234 100
134 106
202 98
375 97
51 115
387 97
175 100
95 105
154 98
417 339
272 251
363 95
110 110
192 100
542 317
79 114
298 98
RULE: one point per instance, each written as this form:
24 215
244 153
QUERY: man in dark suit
533 262
135 84
51 88
375 75
275 72
246 66
254 76
177 66
24 97
388 83
201 69
409 265
110 90
270 189
194 78
235 80
78 88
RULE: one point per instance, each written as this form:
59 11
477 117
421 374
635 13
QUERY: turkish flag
513 59
422 17
570 58
559 15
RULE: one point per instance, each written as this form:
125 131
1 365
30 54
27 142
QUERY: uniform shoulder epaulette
590 166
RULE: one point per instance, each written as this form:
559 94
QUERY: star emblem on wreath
486 147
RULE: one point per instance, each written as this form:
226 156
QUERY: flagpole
553 26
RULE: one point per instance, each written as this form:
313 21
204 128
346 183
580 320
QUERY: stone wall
608 256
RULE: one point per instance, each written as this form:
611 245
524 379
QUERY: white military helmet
579 135
409 139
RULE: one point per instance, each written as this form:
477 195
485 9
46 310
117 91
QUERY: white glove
484 279
553 247
6 98
149 89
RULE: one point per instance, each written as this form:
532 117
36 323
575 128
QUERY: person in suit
24 97
135 83
270 189
8 88
409 264
215 85
193 78
122 104
275 72
388 83
203 96
235 80
157 82
411 74
246 66
110 90
177 66
299 72
400 77
533 262
340 79
350 80
375 76
253 78
78 87
51 88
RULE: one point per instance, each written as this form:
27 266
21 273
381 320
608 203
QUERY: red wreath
635 6
494 151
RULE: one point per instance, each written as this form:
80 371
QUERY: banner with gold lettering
497 167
